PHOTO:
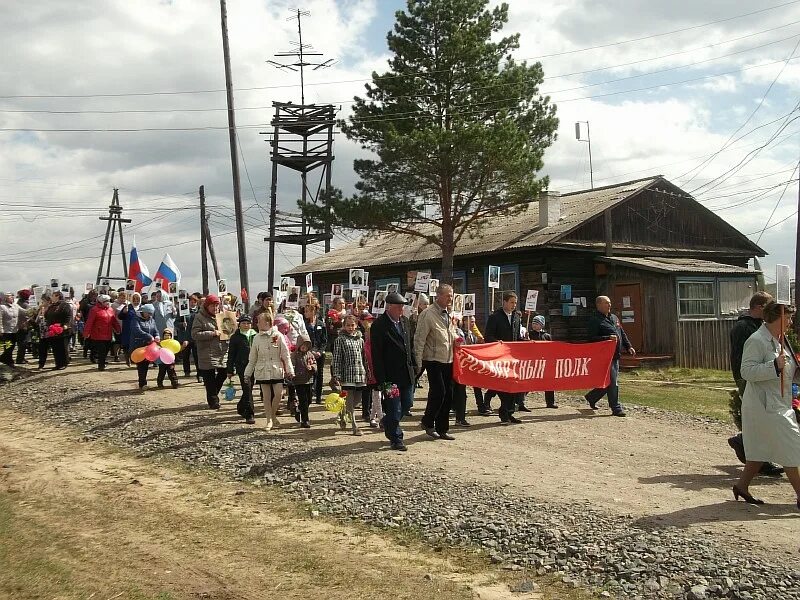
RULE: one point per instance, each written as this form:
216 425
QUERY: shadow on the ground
724 479
725 511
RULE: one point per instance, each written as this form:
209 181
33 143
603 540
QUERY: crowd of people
280 353
377 361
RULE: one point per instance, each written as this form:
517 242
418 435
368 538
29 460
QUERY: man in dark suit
393 363
504 325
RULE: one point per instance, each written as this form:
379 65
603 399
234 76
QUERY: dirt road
81 520
663 471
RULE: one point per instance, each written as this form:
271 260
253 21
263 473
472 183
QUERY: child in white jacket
270 363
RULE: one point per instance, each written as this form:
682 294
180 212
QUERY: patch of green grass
692 400
701 392
711 377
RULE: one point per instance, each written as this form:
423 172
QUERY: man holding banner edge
604 325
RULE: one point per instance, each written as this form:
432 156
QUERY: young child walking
349 368
238 355
305 369
269 363
167 370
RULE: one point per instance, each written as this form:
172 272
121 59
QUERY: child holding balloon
170 347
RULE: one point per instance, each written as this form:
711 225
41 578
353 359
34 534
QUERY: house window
459 280
380 284
509 276
459 283
734 296
696 299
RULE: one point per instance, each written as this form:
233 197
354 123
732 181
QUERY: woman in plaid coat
349 367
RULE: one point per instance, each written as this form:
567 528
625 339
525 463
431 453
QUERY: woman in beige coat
769 425
269 363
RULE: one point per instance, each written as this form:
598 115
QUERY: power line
777 204
551 55
549 77
705 163
403 115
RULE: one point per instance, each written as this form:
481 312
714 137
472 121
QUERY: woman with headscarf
143 333
101 325
212 352
127 315
57 317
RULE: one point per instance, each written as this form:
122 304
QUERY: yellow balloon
172 345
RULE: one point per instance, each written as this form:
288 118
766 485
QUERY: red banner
534 366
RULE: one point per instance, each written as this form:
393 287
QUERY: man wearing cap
212 352
433 349
238 356
393 363
101 324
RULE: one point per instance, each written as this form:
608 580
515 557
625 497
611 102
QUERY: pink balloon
152 351
167 356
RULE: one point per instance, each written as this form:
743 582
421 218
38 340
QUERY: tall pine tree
456 129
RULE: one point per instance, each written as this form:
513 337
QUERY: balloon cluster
165 352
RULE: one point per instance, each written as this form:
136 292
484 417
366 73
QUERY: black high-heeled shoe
747 497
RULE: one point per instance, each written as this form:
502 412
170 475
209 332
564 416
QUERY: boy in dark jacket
305 367
538 334
238 355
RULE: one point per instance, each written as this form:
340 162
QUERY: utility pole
237 193
203 241
115 222
210 244
589 141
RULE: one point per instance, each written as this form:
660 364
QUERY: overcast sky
663 90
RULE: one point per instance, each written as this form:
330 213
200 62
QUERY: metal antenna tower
115 222
301 53
301 140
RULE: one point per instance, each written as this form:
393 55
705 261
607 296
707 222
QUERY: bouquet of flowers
334 316
390 390
54 330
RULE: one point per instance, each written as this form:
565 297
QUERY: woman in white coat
270 363
769 425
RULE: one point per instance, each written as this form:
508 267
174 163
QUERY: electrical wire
492 86
777 204
706 163
550 55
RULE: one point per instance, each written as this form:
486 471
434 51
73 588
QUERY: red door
626 303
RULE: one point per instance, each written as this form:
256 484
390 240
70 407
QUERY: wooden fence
703 344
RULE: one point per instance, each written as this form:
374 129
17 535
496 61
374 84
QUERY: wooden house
676 272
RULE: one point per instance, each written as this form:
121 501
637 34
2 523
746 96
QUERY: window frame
717 299
487 297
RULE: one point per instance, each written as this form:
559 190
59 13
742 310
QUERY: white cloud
121 47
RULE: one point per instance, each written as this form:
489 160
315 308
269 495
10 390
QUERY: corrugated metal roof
677 265
519 231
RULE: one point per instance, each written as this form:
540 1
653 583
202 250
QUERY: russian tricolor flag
168 271
138 270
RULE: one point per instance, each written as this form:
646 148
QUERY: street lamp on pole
588 140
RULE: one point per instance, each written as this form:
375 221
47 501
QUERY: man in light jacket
433 350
